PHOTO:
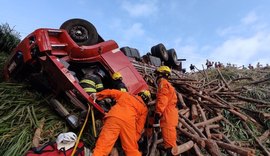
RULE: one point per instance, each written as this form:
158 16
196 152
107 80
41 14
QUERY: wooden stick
202 112
210 82
252 100
265 115
193 126
197 139
217 136
197 150
207 122
212 147
227 85
180 98
182 148
187 114
264 136
194 112
205 74
241 116
234 148
265 151
213 126
219 88
224 137
207 131
187 126
205 97
260 81
183 111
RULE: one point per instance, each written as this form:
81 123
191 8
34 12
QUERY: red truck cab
53 52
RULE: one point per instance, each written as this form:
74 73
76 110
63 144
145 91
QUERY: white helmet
66 140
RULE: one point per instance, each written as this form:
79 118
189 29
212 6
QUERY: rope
81 131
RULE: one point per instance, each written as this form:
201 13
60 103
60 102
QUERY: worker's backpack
50 149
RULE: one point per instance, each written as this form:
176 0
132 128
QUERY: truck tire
81 31
172 58
126 51
152 60
160 51
131 52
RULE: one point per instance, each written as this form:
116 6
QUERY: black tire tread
93 36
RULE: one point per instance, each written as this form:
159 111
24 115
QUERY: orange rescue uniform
125 119
166 107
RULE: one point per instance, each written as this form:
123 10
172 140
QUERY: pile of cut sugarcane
224 111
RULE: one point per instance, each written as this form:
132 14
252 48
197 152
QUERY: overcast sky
229 31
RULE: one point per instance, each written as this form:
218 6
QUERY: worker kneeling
125 119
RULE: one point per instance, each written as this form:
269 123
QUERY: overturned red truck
54 60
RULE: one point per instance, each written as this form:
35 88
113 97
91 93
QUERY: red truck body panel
49 46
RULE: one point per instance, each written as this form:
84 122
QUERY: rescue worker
125 119
166 111
118 82
92 81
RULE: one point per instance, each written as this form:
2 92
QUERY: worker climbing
126 120
166 112
118 82
92 80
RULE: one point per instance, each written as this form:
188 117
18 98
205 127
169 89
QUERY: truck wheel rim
79 33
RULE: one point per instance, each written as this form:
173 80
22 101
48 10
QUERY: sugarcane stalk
212 147
182 148
180 98
209 121
264 136
207 131
213 126
197 150
194 112
217 136
187 126
200 141
37 134
260 81
252 100
183 111
219 88
202 112
193 126
236 149
222 78
264 149
241 116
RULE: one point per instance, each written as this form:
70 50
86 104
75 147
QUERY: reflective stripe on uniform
90 82
99 86
90 90
123 90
